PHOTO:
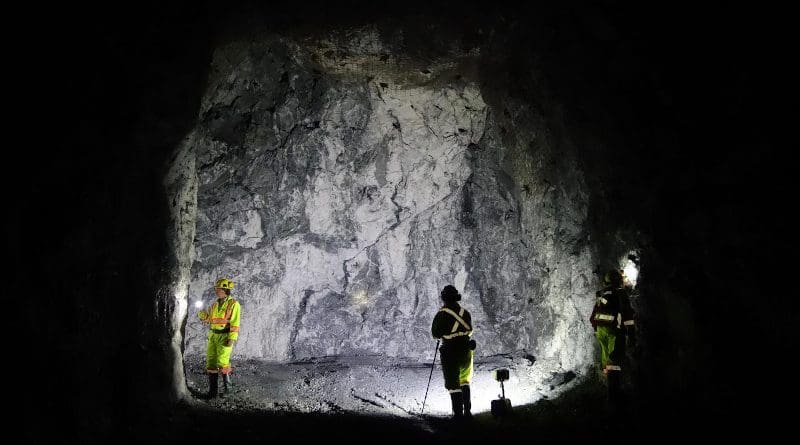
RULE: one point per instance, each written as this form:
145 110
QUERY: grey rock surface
341 186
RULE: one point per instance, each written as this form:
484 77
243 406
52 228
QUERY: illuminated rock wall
341 185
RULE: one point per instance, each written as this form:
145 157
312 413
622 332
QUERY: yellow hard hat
223 283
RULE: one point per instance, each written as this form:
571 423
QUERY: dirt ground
375 385
372 399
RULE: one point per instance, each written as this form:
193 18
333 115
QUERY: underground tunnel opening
341 186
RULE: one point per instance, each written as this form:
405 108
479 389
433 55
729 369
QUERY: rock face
341 184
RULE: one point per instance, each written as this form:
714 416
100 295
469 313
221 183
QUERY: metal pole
430 376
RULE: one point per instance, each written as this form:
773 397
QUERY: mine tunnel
342 163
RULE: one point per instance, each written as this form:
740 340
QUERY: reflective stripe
604 317
458 318
603 300
229 311
457 334
234 328
608 292
629 323
455 324
613 368
454 390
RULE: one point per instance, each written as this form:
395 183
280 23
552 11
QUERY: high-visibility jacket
613 310
223 317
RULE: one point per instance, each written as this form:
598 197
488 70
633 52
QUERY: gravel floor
372 399
374 385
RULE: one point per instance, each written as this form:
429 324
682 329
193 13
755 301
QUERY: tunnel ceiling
342 181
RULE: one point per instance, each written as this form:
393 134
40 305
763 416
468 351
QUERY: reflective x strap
457 334
629 323
603 300
603 317
229 311
457 317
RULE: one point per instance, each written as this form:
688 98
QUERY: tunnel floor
375 385
574 410
375 398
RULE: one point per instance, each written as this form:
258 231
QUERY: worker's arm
235 316
203 316
440 325
628 320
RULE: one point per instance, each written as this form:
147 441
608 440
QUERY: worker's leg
464 379
457 402
450 372
213 352
213 383
224 362
607 341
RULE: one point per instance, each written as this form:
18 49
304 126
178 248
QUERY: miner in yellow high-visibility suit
223 320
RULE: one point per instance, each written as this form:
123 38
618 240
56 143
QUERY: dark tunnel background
676 108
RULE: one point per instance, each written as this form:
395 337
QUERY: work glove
229 342
203 315
472 344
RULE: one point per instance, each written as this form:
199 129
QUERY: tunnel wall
343 183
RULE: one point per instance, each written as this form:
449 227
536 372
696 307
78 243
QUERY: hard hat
223 283
450 294
612 278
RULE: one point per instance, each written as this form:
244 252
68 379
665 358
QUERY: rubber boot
227 385
467 401
213 382
458 405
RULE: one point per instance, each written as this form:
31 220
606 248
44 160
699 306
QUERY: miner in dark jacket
453 325
612 320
